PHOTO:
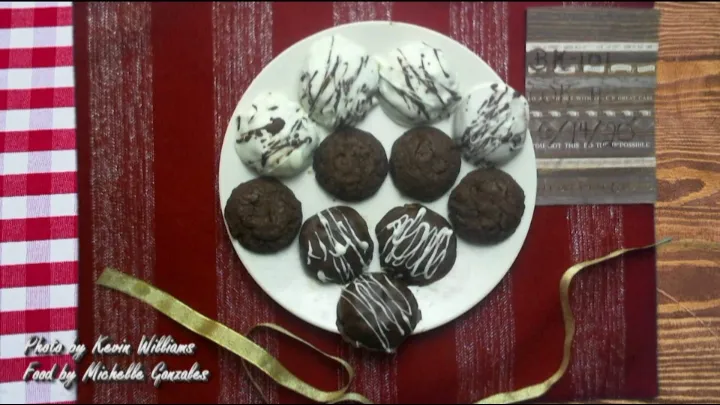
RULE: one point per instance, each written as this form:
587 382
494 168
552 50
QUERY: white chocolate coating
490 125
417 85
275 137
338 82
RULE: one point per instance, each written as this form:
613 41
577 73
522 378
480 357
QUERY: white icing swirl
380 314
275 137
417 85
416 245
335 243
338 82
491 124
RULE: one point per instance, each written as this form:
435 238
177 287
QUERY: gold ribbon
265 362
537 390
229 339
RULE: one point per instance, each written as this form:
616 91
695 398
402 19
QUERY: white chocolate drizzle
337 240
426 249
380 314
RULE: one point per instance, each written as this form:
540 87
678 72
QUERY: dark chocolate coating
377 313
416 244
350 164
424 163
320 236
264 215
486 206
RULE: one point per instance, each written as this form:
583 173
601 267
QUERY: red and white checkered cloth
38 193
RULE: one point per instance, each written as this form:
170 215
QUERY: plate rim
493 282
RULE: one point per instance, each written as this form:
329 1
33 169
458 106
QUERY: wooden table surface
688 208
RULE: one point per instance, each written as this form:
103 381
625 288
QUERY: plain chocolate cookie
416 244
486 206
335 245
263 215
350 164
424 163
377 313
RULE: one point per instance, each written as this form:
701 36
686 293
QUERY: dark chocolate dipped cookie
486 206
424 163
335 245
263 215
350 164
416 244
377 313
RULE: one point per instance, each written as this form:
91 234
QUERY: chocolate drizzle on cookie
425 97
273 128
426 81
283 147
491 126
342 91
278 142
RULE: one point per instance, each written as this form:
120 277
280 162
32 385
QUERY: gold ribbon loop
342 396
229 339
250 352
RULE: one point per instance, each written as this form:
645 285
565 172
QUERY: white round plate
477 269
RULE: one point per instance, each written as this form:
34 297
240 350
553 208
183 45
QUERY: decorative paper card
590 82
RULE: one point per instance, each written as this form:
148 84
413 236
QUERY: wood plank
689 31
688 207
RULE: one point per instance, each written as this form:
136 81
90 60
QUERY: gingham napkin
38 200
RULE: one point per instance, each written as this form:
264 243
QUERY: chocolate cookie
416 244
424 163
335 245
486 206
350 164
263 215
377 313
